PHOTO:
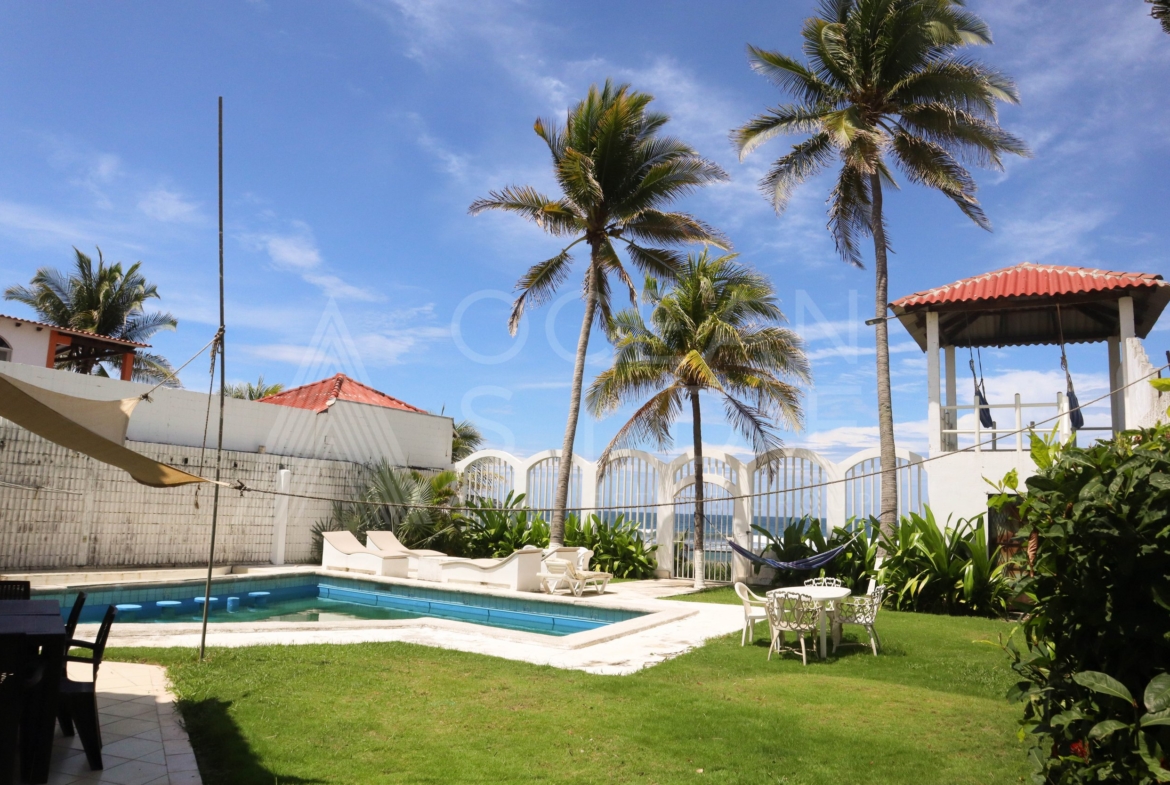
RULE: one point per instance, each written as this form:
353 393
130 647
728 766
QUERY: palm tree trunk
556 532
697 433
889 461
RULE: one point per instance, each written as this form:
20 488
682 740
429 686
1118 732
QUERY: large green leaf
1105 728
1103 683
1157 696
1156 718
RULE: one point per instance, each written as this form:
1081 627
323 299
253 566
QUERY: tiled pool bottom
312 598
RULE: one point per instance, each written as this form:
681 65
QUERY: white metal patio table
822 596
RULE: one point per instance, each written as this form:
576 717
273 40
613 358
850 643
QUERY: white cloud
166 205
297 252
853 352
842 442
290 354
332 286
37 226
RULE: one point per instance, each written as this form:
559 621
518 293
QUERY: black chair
77 702
15 590
74 616
20 672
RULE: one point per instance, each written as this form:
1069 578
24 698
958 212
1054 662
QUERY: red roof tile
71 331
1029 280
318 396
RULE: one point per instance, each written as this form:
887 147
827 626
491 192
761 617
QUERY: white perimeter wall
345 432
92 515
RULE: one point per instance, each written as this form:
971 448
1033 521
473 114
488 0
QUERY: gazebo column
1116 381
1125 323
950 418
934 410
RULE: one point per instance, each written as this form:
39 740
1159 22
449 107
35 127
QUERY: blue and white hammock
810 563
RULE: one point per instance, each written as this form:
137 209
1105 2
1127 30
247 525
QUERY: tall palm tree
715 330
884 81
253 392
106 301
616 175
1161 12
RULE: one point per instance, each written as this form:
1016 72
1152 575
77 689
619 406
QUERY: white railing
1015 429
769 491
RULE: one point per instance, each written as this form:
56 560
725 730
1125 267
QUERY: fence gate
718 513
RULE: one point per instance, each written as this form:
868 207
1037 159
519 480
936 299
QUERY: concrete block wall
91 515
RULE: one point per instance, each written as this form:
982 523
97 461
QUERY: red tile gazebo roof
1017 306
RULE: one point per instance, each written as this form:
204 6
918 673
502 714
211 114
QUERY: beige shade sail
93 428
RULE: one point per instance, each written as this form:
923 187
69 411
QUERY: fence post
280 516
741 519
665 515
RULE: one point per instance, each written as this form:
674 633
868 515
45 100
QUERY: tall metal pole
222 372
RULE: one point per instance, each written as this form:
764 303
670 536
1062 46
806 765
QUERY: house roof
1034 304
319 396
71 331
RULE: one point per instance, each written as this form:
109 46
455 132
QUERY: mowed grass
929 710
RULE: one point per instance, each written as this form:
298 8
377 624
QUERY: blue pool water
314 598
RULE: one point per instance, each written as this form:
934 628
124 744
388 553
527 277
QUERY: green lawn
929 710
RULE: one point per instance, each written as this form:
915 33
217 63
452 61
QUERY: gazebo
1024 305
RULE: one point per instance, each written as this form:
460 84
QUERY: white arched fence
774 489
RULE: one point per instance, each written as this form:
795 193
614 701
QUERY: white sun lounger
517 572
564 574
341 551
385 543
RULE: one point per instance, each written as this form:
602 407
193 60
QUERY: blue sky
359 132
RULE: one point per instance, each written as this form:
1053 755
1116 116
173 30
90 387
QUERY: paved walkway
143 741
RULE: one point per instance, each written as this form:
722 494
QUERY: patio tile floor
143 742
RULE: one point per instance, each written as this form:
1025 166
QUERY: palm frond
650 423
805 160
656 226
791 76
539 284
780 120
555 216
929 164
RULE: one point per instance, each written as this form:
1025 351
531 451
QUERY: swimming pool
314 598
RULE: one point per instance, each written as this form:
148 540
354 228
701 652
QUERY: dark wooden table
39 625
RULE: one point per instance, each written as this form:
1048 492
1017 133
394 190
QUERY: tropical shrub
617 546
944 570
495 531
1099 542
415 506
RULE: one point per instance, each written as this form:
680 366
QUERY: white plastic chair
861 611
791 612
753 611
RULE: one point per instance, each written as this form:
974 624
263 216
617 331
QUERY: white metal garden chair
834 582
861 611
791 612
753 611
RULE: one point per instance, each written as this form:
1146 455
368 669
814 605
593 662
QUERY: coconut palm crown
616 175
715 330
1161 12
105 300
885 87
